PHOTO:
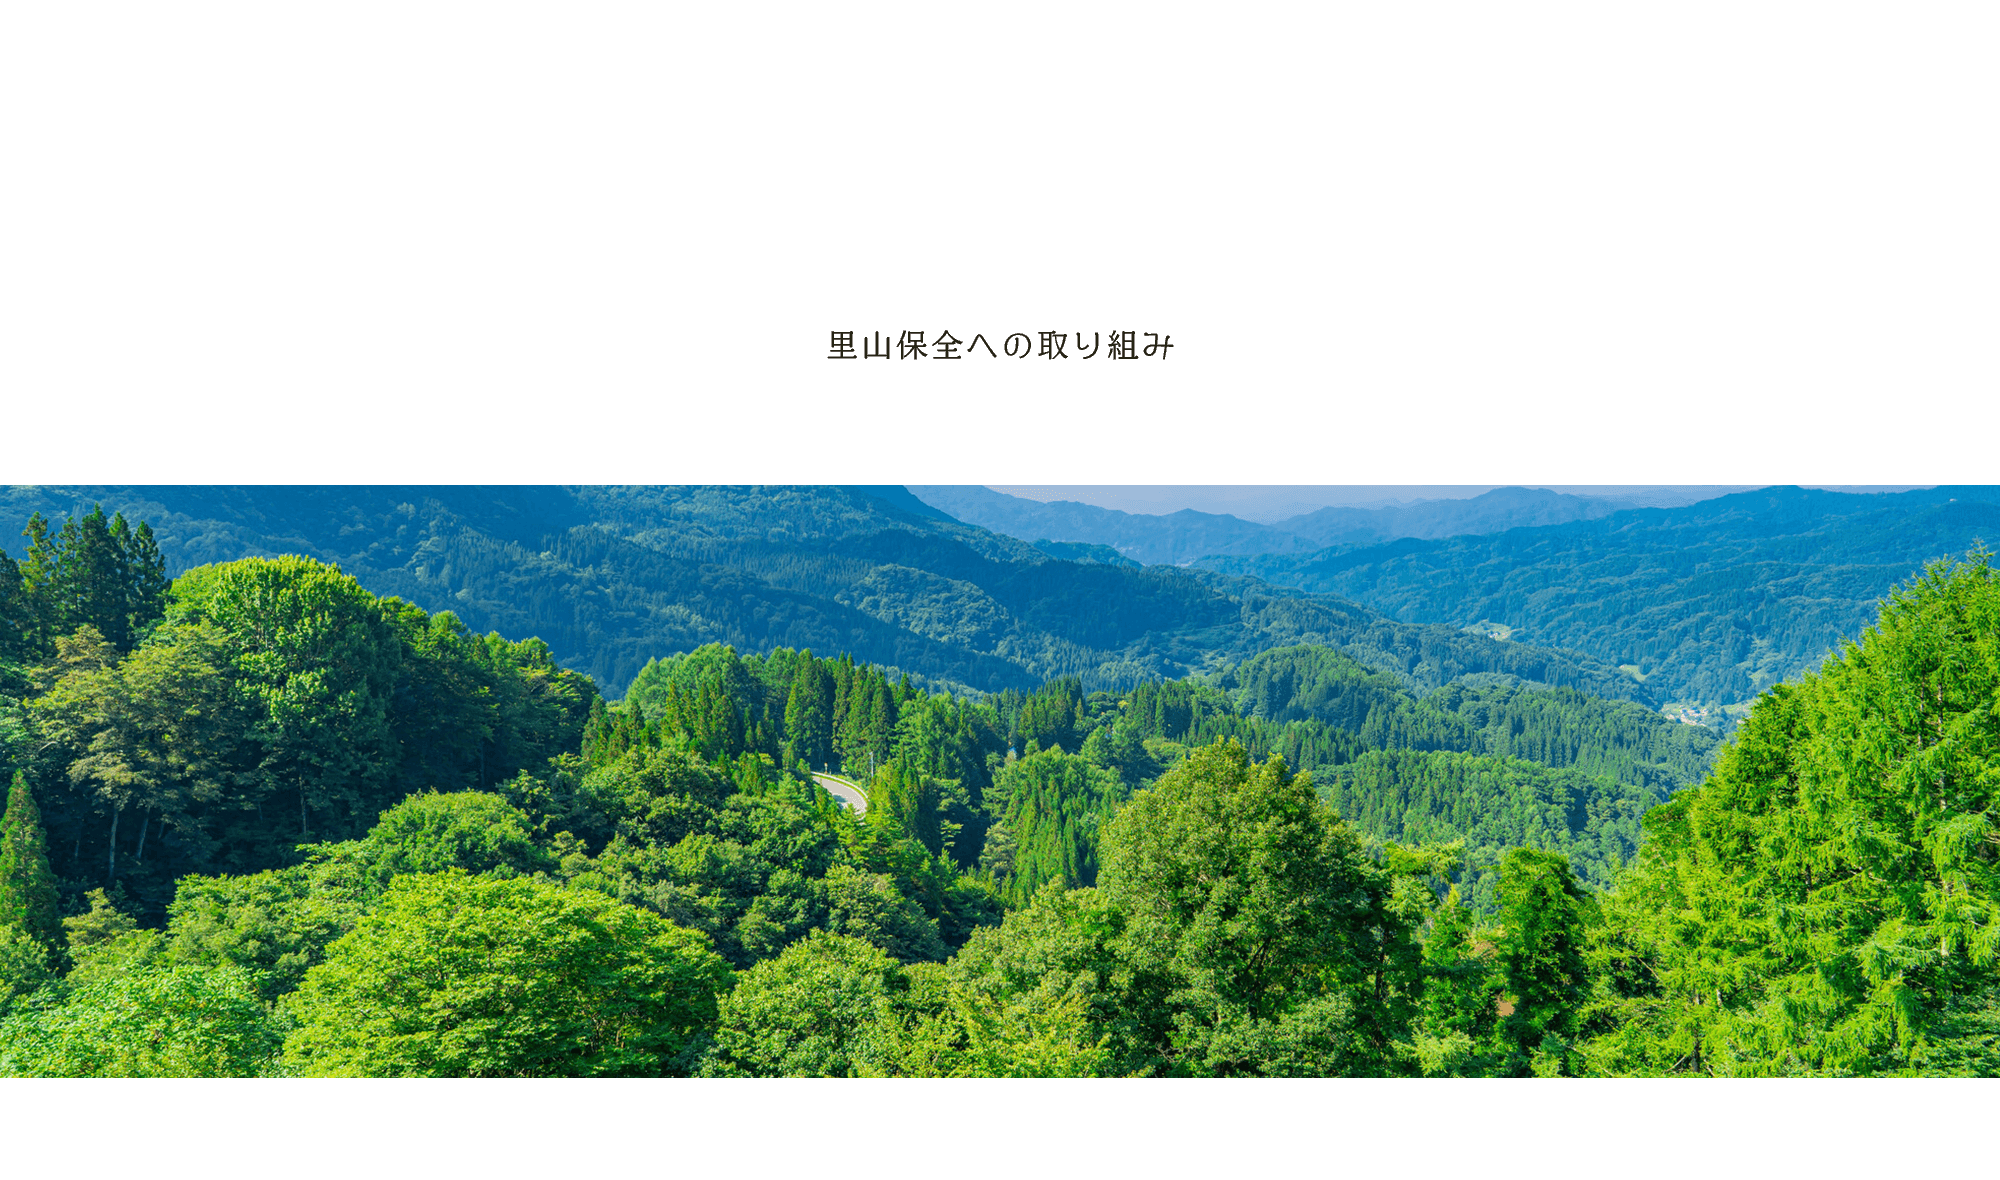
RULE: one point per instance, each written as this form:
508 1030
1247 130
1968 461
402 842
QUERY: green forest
1713 602
262 821
611 577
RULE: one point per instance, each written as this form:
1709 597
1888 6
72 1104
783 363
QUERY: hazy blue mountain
1495 511
1176 538
1713 602
1179 538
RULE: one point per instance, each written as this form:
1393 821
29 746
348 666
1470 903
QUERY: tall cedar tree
17 617
40 586
98 573
1543 912
146 578
27 888
96 577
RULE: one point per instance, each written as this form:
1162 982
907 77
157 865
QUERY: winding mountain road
847 791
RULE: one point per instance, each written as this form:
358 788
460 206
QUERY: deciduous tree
458 976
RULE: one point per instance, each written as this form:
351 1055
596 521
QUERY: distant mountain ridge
1493 512
1180 538
1174 539
1713 602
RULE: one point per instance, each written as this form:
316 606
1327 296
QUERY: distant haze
1269 503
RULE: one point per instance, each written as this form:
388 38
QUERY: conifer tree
120 533
62 586
140 574
1543 912
146 578
809 713
96 577
1828 902
27 887
39 586
16 616
1458 1015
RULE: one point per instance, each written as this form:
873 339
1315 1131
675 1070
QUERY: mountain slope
1181 537
1713 602
611 577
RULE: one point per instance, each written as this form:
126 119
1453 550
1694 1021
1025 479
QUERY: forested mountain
1181 537
1558 727
372 843
1019 783
1712 602
1173 538
1490 512
612 577
265 687
258 706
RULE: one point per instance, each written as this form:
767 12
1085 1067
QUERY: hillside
221 858
612 577
1712 602
1181 537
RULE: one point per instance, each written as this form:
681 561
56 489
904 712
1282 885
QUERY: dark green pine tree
62 588
27 887
843 686
809 713
630 730
121 547
1543 912
149 581
96 576
41 584
145 575
881 736
17 617
597 734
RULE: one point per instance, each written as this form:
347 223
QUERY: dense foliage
455 976
1713 602
1829 901
1492 804
1059 882
612 577
92 572
271 702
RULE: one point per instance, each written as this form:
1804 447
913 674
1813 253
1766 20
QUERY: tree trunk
139 857
111 864
302 811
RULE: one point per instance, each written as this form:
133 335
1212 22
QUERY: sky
1267 503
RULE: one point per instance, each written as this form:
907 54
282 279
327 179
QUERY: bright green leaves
455 976
1454 1030
1260 915
473 831
275 924
1829 899
810 1012
25 966
27 888
1543 915
148 1022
